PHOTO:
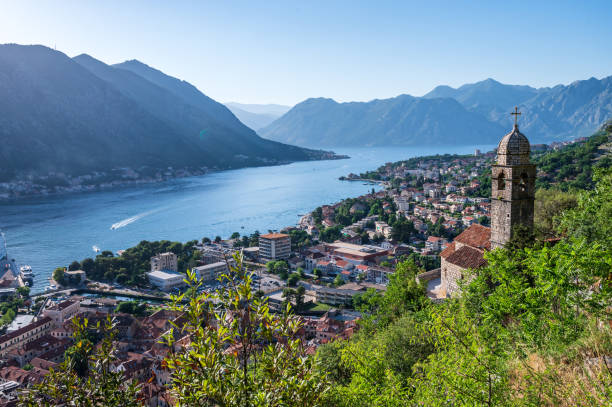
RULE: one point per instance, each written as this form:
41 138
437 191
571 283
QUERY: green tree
101 385
59 276
549 204
293 279
227 366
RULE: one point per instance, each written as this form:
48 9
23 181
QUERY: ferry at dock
27 275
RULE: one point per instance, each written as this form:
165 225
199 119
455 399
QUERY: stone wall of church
451 274
512 200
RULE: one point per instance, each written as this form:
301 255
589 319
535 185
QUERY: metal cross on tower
516 114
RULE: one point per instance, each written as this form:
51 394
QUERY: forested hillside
572 166
78 117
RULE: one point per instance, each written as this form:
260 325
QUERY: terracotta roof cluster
467 257
476 236
27 328
274 236
62 305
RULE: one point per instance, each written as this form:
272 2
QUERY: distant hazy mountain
257 116
269 108
78 116
547 113
473 113
403 120
485 93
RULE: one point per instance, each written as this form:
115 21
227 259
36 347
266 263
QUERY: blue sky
284 52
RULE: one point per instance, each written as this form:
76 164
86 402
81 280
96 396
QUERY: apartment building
210 272
164 262
166 280
274 246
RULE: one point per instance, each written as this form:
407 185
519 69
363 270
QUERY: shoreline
125 183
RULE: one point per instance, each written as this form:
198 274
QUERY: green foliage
529 329
132 307
279 267
591 218
330 234
131 267
294 295
402 230
96 383
571 167
293 279
549 204
23 291
59 276
7 316
299 239
251 357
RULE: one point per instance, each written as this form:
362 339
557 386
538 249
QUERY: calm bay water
52 231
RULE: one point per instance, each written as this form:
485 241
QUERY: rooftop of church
514 148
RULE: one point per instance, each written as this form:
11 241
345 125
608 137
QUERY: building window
523 185
501 182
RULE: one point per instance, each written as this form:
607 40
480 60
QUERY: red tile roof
450 249
22 330
467 257
477 236
274 236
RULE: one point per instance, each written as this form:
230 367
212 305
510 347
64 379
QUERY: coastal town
433 210
332 255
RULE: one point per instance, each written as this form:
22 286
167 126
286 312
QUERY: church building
512 204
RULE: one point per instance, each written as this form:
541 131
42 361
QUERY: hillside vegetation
532 327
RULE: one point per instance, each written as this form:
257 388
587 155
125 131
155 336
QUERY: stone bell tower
512 186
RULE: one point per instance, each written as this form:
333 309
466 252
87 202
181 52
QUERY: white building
164 261
166 280
274 246
62 311
210 272
403 203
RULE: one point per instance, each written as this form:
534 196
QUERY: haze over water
48 232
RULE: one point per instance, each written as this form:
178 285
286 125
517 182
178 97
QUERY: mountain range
257 116
80 115
471 114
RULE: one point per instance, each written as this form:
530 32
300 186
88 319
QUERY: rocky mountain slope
78 116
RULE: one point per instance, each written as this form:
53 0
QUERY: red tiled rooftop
476 236
467 257
25 329
450 249
274 236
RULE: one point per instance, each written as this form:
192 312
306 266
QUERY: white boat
96 249
27 275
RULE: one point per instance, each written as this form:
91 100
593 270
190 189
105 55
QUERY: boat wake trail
132 219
